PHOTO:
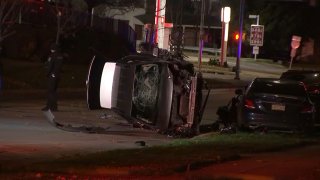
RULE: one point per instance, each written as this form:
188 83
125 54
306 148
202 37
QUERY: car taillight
313 89
307 108
248 103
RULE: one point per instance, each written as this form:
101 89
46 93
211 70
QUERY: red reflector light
313 89
248 103
307 109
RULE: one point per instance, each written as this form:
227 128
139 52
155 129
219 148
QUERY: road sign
255 50
295 42
256 35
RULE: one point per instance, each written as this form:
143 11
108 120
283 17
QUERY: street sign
256 35
255 50
295 42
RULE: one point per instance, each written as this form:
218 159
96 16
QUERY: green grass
176 156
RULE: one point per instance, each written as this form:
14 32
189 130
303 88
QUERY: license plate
278 107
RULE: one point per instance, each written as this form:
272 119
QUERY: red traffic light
236 36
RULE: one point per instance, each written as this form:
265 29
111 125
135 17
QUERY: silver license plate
278 107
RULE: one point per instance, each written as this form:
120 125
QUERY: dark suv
311 79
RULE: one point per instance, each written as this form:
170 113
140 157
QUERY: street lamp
225 19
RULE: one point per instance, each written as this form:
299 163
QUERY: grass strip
178 156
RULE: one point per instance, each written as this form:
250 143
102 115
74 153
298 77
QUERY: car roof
275 80
302 71
306 76
298 72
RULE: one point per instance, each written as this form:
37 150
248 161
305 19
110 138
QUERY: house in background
127 14
155 26
182 20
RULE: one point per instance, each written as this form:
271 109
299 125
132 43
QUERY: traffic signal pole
242 3
201 34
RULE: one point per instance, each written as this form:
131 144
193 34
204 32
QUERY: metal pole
20 16
242 2
222 45
92 14
58 27
201 35
255 55
290 63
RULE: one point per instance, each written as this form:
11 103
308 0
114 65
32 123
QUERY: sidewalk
224 77
246 65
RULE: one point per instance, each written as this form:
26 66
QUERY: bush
214 62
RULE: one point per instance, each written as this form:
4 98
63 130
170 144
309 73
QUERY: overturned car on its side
162 93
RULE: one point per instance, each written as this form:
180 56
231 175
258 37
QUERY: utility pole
201 34
242 3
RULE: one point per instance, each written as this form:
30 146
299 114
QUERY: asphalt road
24 128
25 132
27 136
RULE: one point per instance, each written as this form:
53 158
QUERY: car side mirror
238 92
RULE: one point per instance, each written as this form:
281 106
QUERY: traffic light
236 36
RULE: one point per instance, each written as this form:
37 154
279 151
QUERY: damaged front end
161 93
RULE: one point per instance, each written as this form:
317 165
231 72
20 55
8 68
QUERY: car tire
307 128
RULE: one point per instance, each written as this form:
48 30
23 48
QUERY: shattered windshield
145 93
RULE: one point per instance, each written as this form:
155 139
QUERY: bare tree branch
9 14
66 14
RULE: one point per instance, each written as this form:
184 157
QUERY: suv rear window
290 89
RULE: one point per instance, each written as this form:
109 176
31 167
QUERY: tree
9 14
284 19
181 12
66 12
177 31
281 19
